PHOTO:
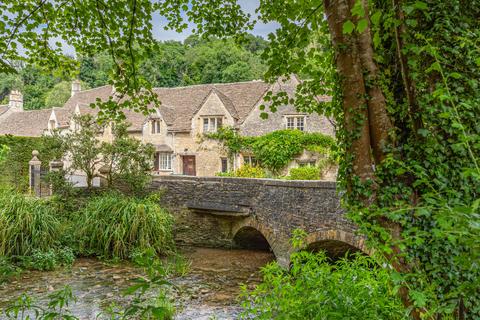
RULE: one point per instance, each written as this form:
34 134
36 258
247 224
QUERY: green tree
83 150
128 161
215 60
405 106
59 94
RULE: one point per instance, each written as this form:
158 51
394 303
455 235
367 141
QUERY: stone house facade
177 127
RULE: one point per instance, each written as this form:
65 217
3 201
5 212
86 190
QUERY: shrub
27 224
113 226
7 269
316 289
305 173
49 259
246 171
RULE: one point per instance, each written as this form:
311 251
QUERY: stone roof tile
27 123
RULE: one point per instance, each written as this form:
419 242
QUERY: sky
249 6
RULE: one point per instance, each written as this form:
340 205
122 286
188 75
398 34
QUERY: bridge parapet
210 211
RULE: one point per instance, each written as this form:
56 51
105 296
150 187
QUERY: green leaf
376 39
348 27
420 5
375 18
455 75
362 25
418 298
358 9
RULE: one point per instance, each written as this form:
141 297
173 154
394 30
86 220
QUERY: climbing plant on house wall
277 149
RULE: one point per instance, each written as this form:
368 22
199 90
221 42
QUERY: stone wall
211 210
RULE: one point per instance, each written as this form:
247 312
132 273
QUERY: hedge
14 170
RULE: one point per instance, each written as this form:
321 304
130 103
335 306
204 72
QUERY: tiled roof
178 106
27 123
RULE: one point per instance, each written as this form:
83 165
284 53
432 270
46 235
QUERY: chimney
76 87
15 100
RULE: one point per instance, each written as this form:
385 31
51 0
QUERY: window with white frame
212 124
296 122
155 124
164 160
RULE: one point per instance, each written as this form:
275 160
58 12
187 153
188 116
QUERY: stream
209 291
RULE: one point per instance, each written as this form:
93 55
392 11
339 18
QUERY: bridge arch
253 228
336 243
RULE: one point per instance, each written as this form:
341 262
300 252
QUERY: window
53 124
163 161
250 160
296 122
224 164
212 124
155 126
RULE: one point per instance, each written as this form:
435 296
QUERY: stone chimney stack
15 100
76 87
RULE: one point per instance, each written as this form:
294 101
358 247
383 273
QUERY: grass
114 225
27 224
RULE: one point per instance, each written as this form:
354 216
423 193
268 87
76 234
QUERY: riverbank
209 290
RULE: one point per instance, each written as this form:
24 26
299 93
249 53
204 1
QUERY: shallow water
209 290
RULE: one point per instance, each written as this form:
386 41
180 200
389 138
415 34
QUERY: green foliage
15 166
431 169
83 146
246 171
314 288
7 269
276 149
49 259
3 152
305 173
114 225
60 93
128 160
33 83
125 162
59 301
28 224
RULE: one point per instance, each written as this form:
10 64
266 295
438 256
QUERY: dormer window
155 125
295 122
53 124
212 124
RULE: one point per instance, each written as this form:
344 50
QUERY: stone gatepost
35 172
55 166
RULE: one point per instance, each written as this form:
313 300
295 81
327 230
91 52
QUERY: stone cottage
177 127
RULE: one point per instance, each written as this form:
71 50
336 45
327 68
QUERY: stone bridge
257 214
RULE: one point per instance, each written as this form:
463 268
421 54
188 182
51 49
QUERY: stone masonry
214 211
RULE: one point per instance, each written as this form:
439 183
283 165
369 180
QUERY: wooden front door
189 165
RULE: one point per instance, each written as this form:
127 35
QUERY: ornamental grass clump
27 224
113 226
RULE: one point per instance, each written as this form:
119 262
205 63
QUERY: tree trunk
353 89
354 55
379 121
